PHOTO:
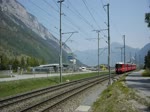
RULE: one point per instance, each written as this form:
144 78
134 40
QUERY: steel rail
63 93
18 98
64 99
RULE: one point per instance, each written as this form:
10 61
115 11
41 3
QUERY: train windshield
118 65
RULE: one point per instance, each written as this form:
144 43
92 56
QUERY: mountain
142 53
22 34
90 57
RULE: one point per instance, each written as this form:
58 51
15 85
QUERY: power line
79 29
102 14
55 3
45 20
90 13
115 27
74 10
94 19
49 14
103 51
50 6
43 17
29 25
70 20
41 9
80 15
55 17
102 2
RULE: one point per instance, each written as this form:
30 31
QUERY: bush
146 73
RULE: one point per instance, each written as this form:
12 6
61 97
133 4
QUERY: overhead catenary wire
84 1
79 29
101 2
55 17
43 17
54 1
42 9
49 14
79 15
29 25
70 20
100 19
51 6
112 23
71 23
50 23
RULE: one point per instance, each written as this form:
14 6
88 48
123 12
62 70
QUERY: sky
85 16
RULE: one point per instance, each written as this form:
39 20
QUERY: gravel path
90 97
136 81
133 80
142 86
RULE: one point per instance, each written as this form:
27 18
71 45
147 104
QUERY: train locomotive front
121 67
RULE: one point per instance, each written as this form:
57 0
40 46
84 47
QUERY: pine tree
147 19
4 62
16 64
147 60
22 63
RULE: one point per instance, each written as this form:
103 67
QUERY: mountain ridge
89 57
21 33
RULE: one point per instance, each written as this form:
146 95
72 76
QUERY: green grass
4 76
20 86
116 98
80 76
146 73
14 87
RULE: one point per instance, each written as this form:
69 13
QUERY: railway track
28 95
39 99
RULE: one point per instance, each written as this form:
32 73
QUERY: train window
118 65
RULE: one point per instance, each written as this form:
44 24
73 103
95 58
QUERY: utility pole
98 31
108 25
124 49
98 53
60 58
121 53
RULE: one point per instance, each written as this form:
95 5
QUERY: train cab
121 67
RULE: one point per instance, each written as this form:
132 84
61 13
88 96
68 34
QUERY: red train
121 67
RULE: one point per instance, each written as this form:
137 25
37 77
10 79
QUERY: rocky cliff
22 34
13 8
